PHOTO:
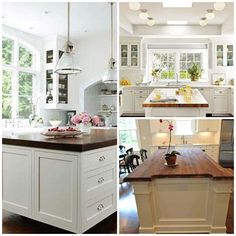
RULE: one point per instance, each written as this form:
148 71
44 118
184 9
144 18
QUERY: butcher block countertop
192 163
97 139
197 100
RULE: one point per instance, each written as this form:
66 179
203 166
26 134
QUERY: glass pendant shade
110 75
210 15
134 6
219 6
67 64
203 21
150 21
143 14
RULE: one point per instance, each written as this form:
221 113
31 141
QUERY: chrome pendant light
67 64
110 76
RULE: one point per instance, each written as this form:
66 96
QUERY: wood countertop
97 139
192 163
197 100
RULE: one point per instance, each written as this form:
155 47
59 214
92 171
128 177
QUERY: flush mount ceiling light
134 6
210 14
150 21
143 14
177 22
67 63
219 6
177 4
110 75
203 21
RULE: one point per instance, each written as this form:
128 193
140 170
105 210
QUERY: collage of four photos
118 117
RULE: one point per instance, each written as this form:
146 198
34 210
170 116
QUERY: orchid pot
171 158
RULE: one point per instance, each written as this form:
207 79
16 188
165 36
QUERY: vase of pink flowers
85 121
170 156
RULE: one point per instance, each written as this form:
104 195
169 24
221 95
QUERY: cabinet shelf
104 95
107 111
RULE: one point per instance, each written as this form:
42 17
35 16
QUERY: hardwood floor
129 218
16 224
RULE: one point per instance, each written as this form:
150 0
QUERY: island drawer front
99 158
223 91
96 181
141 91
98 208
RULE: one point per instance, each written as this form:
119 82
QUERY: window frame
16 69
204 63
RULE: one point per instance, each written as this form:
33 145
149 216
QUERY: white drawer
96 181
220 91
141 91
99 158
99 209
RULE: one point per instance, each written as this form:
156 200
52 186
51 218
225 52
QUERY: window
184 127
175 62
18 75
128 133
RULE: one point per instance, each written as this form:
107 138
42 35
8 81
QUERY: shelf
107 111
104 95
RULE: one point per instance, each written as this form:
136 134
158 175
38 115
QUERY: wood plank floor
16 224
128 220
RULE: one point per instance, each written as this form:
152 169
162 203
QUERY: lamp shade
110 75
219 6
67 64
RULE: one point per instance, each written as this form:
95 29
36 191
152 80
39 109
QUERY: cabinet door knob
100 180
100 207
102 158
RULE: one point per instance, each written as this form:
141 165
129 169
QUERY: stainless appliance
227 144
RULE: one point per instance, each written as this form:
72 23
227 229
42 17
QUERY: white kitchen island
195 105
69 183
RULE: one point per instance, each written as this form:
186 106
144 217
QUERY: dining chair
130 151
129 160
143 154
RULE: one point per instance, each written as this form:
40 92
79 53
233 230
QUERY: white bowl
55 123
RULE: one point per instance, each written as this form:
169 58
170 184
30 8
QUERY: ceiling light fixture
134 6
177 22
203 21
210 14
177 4
143 14
219 6
67 63
150 21
110 76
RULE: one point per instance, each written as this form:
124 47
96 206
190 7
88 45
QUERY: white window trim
204 63
15 68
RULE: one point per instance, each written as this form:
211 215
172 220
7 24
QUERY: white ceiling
86 18
161 15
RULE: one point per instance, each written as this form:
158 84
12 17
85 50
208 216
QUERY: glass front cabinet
58 87
129 55
224 55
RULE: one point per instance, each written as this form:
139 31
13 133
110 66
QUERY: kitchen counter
191 163
197 100
192 197
98 138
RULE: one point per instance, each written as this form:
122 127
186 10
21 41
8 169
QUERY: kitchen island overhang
195 105
71 189
193 197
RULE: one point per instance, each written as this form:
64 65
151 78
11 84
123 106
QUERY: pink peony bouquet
85 119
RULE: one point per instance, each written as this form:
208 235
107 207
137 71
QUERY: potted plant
170 156
194 72
156 74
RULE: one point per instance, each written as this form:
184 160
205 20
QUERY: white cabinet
207 125
207 94
157 127
16 180
55 188
220 100
232 101
127 101
138 103
72 191
213 152
223 55
129 55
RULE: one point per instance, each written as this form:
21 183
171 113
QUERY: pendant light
150 21
210 14
110 76
67 64
143 14
203 21
219 6
134 6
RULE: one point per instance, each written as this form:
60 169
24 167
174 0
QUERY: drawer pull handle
100 180
102 158
100 207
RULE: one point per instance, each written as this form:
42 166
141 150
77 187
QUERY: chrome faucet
177 78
